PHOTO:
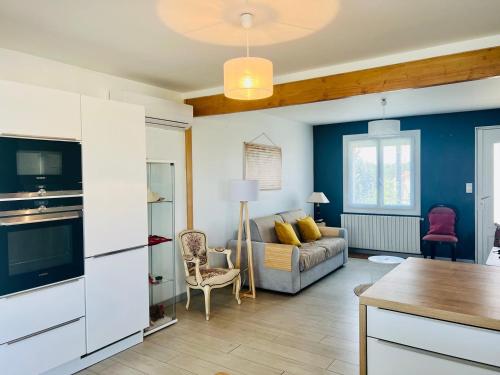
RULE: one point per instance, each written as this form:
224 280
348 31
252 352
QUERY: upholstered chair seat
440 238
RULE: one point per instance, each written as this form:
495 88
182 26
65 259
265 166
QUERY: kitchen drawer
386 358
438 336
26 313
45 350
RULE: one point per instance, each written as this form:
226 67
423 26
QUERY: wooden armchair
197 269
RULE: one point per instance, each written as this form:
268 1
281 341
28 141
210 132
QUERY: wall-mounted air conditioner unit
159 112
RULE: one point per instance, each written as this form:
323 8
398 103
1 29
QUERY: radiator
389 233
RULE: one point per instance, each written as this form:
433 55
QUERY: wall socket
468 187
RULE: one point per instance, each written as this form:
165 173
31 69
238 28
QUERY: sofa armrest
333 232
337 232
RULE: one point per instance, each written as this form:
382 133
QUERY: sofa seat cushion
311 255
333 245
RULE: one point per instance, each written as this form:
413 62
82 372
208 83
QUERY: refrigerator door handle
117 251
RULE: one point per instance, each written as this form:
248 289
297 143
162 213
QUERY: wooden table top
457 292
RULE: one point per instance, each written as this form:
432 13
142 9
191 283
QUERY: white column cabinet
114 176
38 112
115 220
117 297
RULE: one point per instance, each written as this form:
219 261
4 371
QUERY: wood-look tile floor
313 332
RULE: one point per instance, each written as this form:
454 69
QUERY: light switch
468 187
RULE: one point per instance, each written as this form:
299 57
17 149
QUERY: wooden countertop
456 292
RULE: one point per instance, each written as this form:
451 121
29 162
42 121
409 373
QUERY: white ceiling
458 97
127 38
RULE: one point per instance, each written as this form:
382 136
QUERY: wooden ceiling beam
441 70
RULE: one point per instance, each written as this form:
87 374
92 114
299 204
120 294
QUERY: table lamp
317 198
244 191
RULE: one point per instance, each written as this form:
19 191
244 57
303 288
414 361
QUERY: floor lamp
244 191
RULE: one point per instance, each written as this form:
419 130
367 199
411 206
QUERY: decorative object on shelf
156 240
197 269
263 163
156 312
161 244
154 197
317 198
245 191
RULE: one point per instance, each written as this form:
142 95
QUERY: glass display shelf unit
161 244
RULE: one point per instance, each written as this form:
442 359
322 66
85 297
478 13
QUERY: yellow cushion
308 229
286 234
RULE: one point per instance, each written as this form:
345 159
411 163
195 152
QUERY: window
382 174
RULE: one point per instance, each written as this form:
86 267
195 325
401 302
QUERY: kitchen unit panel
114 176
38 112
117 296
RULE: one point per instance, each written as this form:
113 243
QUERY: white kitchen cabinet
434 335
114 176
39 112
117 296
54 305
44 350
386 358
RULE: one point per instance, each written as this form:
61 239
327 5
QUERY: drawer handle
15 135
42 331
42 287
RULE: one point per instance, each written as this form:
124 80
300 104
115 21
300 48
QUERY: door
39 112
114 176
488 189
116 291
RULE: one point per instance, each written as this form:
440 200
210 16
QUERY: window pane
363 169
397 172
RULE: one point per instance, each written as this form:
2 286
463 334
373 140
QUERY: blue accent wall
447 163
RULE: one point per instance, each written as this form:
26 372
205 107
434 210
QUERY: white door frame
478 167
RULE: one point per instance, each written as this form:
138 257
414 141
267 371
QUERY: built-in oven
41 242
32 168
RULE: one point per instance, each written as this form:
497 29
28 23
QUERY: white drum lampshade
248 78
244 190
318 198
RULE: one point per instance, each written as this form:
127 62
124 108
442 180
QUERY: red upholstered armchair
442 220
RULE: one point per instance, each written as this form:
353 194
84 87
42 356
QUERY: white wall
163 144
21 67
218 158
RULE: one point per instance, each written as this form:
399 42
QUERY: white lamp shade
318 198
244 190
248 78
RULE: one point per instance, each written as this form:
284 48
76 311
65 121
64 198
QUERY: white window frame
414 210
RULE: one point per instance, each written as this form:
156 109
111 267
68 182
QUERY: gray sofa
309 262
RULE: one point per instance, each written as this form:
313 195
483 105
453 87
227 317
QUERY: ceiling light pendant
383 127
248 78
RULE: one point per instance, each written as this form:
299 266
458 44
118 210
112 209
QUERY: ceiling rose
218 21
